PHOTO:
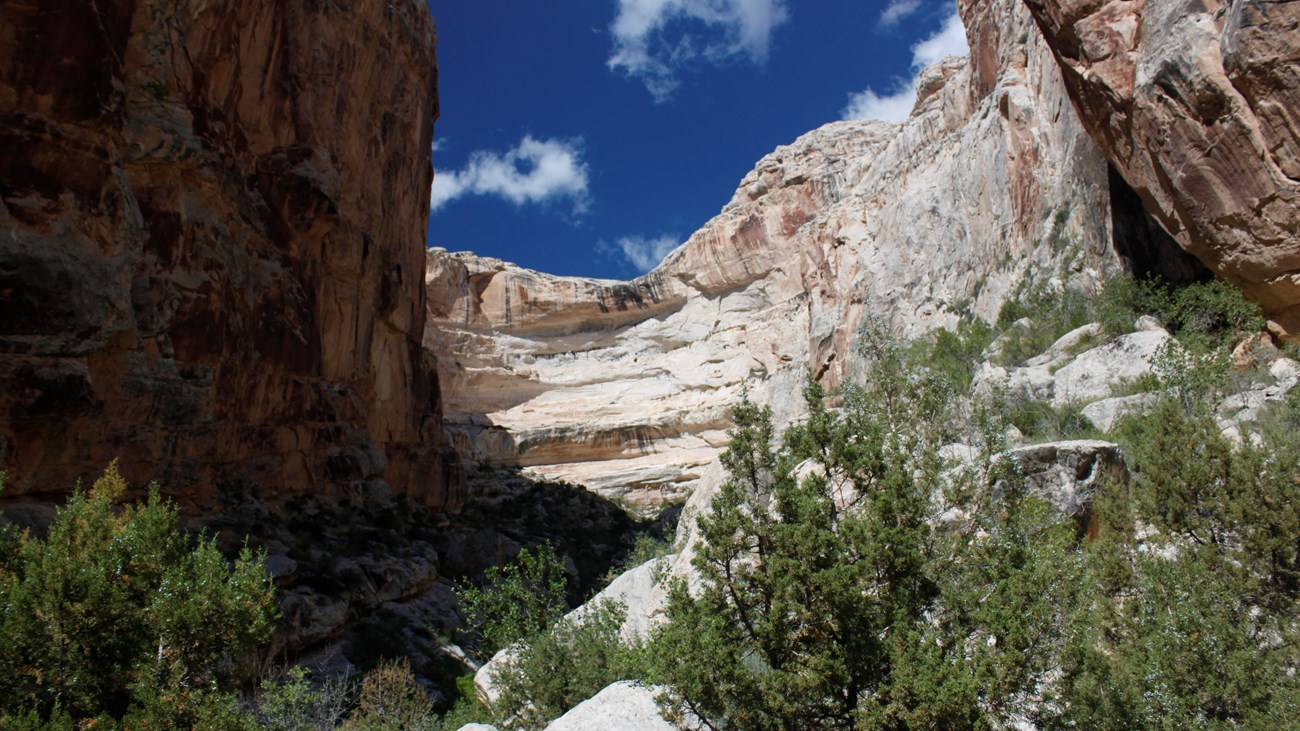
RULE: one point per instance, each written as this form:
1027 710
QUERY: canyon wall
212 220
1197 103
626 386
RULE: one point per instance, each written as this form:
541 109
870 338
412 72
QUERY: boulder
1094 374
1284 369
1067 473
1034 383
1104 414
626 706
1067 346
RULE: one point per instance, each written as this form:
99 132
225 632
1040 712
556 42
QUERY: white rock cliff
625 387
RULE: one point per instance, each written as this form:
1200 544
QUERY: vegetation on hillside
851 581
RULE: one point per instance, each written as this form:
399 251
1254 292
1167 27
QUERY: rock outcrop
1196 104
625 705
626 386
211 246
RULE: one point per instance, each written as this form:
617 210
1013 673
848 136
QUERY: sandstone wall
1197 103
212 219
626 386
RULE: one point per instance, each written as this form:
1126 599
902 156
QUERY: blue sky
590 137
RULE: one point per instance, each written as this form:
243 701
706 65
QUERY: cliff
211 247
625 386
1196 104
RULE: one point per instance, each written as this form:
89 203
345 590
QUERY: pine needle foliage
117 614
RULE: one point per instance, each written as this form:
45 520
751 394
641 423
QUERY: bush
1051 312
829 601
294 703
549 673
871 588
1191 622
389 698
116 612
515 601
1042 421
1209 314
954 355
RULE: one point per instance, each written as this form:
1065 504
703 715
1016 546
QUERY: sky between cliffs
591 137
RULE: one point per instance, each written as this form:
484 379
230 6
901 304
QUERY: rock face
210 261
626 386
626 705
1196 103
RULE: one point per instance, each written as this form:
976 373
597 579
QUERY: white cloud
895 106
889 108
653 40
642 252
536 171
897 10
950 40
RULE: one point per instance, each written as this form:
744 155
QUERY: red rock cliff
212 224
1197 104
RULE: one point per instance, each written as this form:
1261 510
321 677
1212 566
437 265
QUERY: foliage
953 355
829 601
117 612
390 698
1035 317
1199 608
552 662
1042 421
1210 313
646 548
466 709
849 580
515 601
294 703
549 673
1192 377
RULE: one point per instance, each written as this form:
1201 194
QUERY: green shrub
1051 312
831 602
1195 377
294 703
954 355
466 709
1210 314
838 600
1042 421
515 601
552 671
1192 622
115 612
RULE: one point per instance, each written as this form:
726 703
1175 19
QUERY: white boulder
626 706
1096 373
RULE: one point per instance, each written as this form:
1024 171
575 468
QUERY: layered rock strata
1198 106
211 246
626 386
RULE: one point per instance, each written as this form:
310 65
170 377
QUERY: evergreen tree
115 612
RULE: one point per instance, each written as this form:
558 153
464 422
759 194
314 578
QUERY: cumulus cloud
896 105
642 252
654 39
897 10
535 171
